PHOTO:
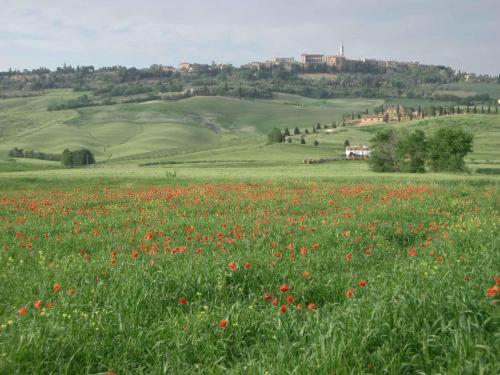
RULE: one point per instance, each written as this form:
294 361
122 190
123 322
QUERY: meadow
293 276
194 247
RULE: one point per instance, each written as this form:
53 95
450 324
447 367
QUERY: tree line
77 158
362 80
31 154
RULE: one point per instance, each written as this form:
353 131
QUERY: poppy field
259 277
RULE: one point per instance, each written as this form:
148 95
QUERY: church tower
341 50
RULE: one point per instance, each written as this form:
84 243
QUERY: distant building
185 66
371 119
470 77
357 152
312 59
167 68
196 68
337 61
283 60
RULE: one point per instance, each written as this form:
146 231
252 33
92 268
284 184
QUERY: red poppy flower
50 305
274 302
311 306
412 252
362 283
149 235
22 311
290 247
135 254
248 265
277 254
267 296
56 287
37 304
223 323
232 265
493 291
283 309
289 299
349 293
348 256
306 274
284 288
182 300
303 251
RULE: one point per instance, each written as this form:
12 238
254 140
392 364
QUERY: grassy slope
230 131
470 88
123 130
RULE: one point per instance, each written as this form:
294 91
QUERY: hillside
125 130
218 132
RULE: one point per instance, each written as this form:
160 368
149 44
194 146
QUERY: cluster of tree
393 151
468 100
30 154
123 90
77 158
81 101
277 136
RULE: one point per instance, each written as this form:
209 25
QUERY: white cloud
126 32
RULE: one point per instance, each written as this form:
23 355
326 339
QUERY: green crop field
194 247
132 275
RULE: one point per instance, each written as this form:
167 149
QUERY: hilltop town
315 62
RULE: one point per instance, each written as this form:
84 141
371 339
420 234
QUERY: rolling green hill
124 130
221 131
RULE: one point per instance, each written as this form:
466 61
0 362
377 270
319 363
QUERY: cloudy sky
464 34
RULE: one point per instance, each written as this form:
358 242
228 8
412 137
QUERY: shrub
447 149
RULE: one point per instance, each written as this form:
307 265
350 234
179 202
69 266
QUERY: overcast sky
464 34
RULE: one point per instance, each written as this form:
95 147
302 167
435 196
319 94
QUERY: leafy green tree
296 131
383 156
316 143
411 152
286 133
82 157
274 136
302 141
67 158
447 149
346 143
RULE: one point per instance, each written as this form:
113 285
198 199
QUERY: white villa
358 151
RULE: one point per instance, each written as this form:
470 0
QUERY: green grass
423 311
122 131
239 200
